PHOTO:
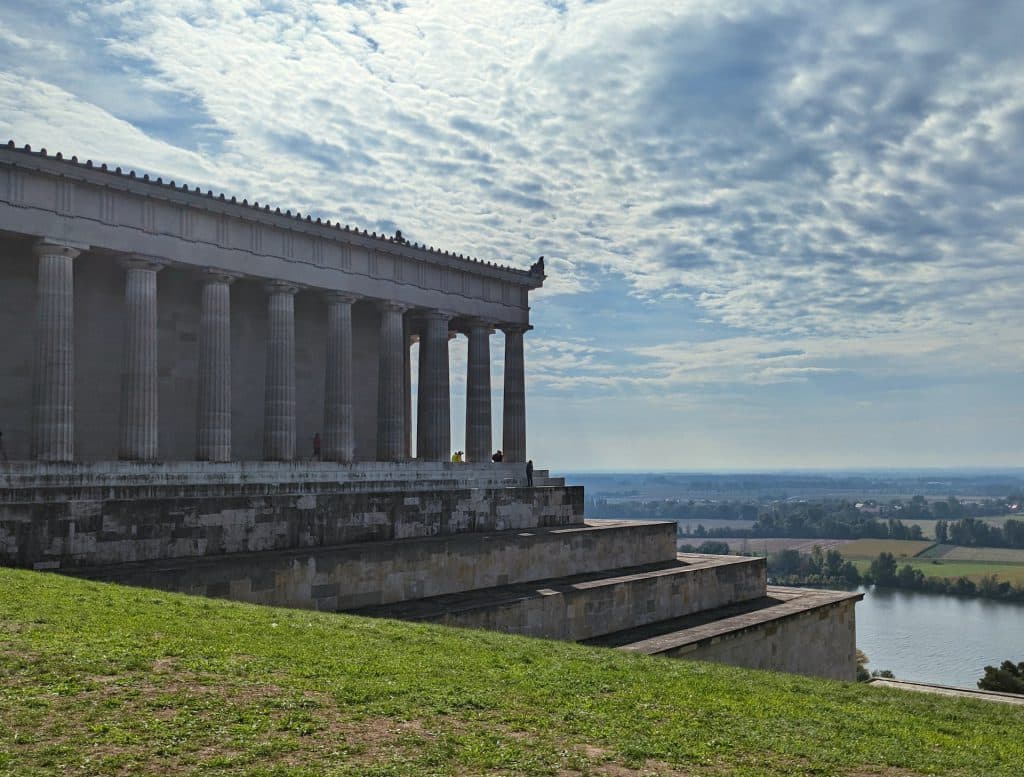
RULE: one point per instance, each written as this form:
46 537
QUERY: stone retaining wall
385 572
582 611
89 531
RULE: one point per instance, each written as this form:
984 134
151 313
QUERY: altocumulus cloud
835 182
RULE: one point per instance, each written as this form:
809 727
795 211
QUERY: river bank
937 638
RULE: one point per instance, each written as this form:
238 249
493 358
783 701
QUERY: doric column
391 402
53 388
514 411
339 429
478 393
408 338
279 403
433 427
213 432
139 401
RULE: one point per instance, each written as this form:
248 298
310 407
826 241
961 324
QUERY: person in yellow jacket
457 457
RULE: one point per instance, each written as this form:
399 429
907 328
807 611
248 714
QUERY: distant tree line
674 510
958 523
791 567
971 531
886 572
829 568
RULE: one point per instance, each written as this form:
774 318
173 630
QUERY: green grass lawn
97 679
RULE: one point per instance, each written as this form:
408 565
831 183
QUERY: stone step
581 607
540 482
807 631
373 573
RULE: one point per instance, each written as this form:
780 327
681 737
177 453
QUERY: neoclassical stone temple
169 324
168 356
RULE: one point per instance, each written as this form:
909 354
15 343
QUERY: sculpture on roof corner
537 268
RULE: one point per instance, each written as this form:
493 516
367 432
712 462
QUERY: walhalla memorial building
168 356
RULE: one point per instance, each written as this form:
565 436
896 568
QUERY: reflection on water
937 638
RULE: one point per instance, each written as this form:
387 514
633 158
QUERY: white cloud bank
839 181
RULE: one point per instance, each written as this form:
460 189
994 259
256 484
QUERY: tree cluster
972 532
791 567
1008 678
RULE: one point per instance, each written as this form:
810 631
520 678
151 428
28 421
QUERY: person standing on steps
498 457
529 473
316 446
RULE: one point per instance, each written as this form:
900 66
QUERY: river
936 638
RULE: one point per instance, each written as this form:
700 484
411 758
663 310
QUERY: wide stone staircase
615 583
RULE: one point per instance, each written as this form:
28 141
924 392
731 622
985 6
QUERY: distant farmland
869 549
961 553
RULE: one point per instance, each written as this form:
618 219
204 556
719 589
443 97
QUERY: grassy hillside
98 679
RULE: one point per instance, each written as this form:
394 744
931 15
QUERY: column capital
478 323
432 314
341 296
393 307
48 246
140 262
281 287
215 275
515 328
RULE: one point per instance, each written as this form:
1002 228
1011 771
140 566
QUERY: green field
962 553
973 570
869 549
97 679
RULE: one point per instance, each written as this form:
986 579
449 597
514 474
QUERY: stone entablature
123 213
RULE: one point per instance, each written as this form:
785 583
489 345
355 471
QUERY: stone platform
463 545
69 516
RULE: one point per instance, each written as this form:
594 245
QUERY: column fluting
339 422
433 422
514 400
139 398
279 396
478 393
408 338
53 387
391 402
213 429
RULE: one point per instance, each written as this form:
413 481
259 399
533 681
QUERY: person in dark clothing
316 446
498 457
529 472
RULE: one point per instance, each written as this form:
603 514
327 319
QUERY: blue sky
778 234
